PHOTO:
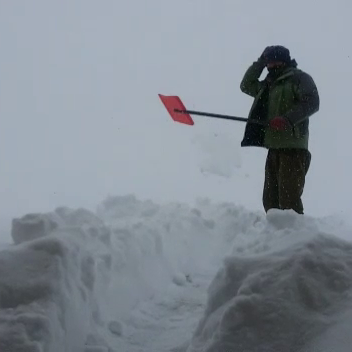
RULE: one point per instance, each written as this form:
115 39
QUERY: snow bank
133 277
278 290
73 277
48 281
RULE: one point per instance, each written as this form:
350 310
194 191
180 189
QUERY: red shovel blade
174 102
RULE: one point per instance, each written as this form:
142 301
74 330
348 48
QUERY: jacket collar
290 71
287 73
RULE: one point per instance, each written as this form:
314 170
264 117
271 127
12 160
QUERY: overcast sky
81 119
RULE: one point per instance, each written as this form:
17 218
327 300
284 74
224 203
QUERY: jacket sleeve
307 100
250 83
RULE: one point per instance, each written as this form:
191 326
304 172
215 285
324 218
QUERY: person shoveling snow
278 121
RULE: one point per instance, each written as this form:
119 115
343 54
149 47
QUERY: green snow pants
285 172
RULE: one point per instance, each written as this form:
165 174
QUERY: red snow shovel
179 113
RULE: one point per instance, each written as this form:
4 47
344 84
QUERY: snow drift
135 276
275 297
48 281
73 278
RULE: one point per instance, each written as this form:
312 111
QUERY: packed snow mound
133 277
72 278
279 292
48 282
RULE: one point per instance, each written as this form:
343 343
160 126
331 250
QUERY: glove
279 124
262 58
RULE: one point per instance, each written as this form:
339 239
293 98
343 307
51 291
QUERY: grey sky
80 117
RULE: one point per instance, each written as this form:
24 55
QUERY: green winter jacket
292 95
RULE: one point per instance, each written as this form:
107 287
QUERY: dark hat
277 53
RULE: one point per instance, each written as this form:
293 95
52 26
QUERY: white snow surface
140 276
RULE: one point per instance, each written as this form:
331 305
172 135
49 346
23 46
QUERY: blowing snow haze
81 118
81 121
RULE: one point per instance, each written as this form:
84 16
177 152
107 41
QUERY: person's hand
279 124
262 57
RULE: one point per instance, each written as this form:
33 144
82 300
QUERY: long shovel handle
219 116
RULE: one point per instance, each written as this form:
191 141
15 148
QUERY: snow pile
278 290
48 285
73 277
134 277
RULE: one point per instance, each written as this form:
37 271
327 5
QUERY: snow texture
139 276
276 300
